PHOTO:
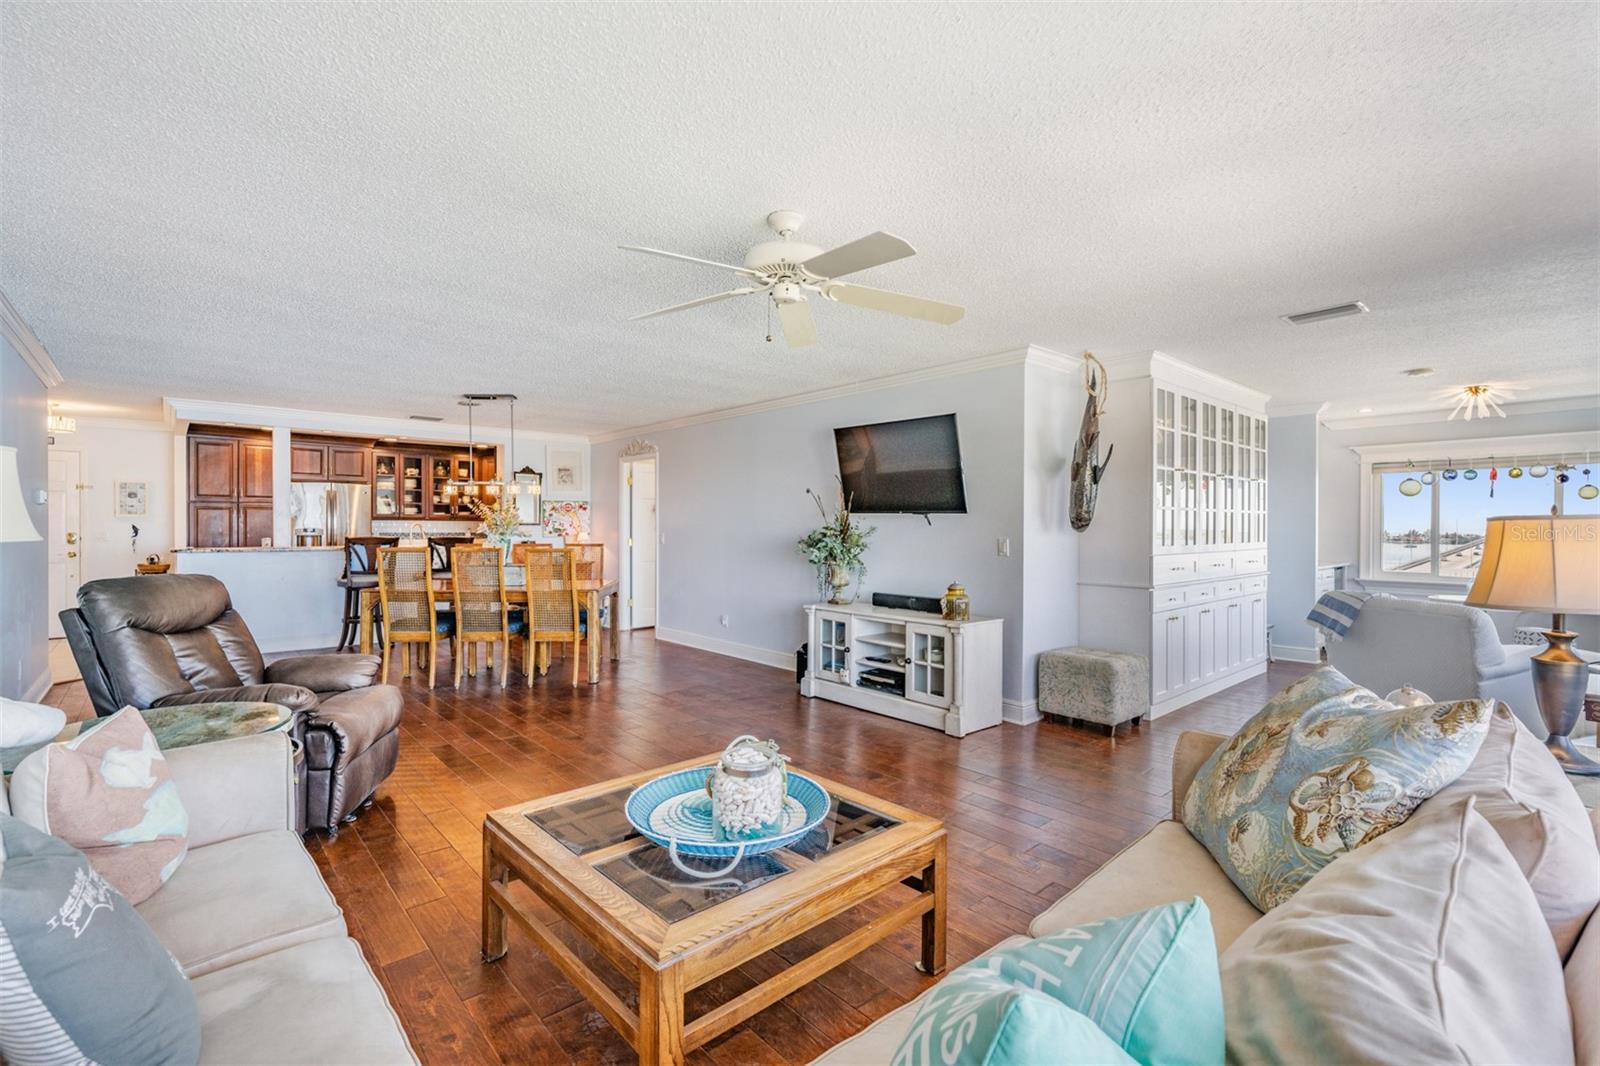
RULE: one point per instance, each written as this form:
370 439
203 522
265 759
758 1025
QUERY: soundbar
927 604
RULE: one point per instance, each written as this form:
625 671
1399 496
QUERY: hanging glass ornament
1561 473
1538 470
1410 487
1589 492
1450 472
1470 474
1427 477
1515 471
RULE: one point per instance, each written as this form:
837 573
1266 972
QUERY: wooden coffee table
671 933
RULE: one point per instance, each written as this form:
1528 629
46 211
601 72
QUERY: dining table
594 594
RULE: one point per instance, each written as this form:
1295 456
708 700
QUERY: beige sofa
250 920
1166 865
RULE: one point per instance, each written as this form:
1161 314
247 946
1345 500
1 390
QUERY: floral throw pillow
1325 767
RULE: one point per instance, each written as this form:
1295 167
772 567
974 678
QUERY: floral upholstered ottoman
1089 685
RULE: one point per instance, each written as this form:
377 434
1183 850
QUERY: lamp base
1560 677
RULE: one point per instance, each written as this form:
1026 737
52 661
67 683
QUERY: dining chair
360 572
589 568
439 549
478 584
410 617
552 608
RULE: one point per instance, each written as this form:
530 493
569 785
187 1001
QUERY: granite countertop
196 551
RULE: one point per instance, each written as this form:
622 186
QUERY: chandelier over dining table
530 482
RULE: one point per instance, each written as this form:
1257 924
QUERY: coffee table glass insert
647 873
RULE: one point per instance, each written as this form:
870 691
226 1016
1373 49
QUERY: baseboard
781 660
1019 712
305 642
1210 688
36 691
1293 654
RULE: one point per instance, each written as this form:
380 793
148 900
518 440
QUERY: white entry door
64 533
640 543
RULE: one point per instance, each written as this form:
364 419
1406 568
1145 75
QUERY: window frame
1436 455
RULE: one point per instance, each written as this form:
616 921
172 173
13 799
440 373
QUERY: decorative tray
674 811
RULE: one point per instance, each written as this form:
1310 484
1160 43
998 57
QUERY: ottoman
1089 685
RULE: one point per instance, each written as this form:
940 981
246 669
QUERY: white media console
906 664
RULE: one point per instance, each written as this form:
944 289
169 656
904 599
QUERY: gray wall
1292 532
733 503
24 580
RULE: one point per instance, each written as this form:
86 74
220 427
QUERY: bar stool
360 572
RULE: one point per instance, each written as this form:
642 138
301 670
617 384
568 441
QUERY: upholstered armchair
168 639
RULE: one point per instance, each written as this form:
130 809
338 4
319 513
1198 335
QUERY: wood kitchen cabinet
230 487
329 460
308 462
350 463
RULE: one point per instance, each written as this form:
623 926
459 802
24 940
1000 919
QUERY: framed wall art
566 476
132 498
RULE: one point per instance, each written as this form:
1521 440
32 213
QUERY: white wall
1292 532
121 451
24 574
1053 401
733 503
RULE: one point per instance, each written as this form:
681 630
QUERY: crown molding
1132 365
20 336
179 409
146 425
1033 354
1436 414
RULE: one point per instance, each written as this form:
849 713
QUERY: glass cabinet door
928 664
1188 466
385 484
1165 510
413 479
833 647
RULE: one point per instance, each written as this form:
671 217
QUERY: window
1432 517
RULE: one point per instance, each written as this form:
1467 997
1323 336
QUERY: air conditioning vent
425 418
1305 317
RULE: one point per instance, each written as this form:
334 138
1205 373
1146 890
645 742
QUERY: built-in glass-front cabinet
1210 474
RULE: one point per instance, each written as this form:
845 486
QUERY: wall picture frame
566 475
132 499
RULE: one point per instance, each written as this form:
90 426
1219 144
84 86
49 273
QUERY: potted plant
500 521
836 548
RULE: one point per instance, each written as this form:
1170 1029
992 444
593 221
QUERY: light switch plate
1002 547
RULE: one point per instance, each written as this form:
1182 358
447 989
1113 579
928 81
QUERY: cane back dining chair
552 608
589 570
478 583
410 617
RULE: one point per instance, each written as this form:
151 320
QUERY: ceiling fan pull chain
768 302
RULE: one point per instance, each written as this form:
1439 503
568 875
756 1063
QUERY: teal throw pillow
1323 768
1146 982
82 976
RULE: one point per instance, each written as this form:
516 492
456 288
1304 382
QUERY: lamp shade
15 524
1540 563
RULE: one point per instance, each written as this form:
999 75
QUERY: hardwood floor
1030 812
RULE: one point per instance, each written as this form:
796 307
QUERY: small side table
178 727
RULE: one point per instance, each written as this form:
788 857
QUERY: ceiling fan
787 270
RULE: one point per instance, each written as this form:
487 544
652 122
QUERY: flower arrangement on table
837 548
499 522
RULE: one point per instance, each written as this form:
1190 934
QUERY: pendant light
499 486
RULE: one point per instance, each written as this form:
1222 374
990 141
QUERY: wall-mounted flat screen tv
907 467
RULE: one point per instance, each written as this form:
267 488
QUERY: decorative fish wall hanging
1087 470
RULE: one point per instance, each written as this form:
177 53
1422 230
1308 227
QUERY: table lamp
1547 563
15 525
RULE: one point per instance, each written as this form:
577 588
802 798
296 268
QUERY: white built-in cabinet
1174 565
934 672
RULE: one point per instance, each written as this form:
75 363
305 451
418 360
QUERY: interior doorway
640 541
65 512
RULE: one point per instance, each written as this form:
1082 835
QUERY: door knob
72 538
72 555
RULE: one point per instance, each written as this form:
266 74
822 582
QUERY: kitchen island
289 597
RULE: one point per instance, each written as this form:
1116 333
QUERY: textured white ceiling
375 207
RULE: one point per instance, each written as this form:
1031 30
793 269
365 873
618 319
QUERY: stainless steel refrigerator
329 512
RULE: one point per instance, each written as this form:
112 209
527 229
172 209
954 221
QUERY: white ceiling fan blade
799 328
896 303
693 303
690 259
869 251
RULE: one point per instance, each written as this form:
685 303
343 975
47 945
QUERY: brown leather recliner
170 639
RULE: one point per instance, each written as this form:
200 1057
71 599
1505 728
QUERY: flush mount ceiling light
1479 401
1323 313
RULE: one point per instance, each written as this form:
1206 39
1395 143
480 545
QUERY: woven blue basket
697 840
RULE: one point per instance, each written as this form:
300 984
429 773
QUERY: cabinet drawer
1229 588
1166 569
1254 584
1250 562
1215 565
1200 593
1161 599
